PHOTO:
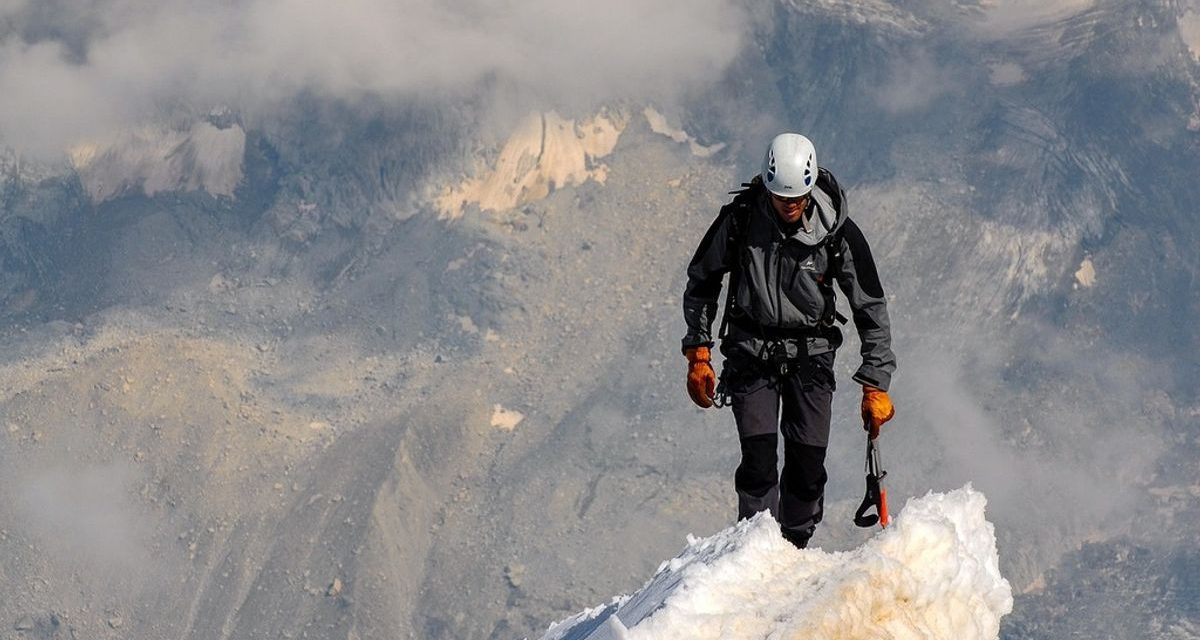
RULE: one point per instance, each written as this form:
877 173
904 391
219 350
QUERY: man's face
789 210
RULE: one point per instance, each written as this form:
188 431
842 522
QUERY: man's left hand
701 379
876 409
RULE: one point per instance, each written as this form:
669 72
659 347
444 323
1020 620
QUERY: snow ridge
933 574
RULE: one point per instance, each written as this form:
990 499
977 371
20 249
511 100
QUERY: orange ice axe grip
876 493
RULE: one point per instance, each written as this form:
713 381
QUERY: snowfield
933 574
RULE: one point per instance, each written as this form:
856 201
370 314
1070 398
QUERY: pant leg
757 477
755 404
802 491
807 412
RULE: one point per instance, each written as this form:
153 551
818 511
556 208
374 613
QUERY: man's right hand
876 409
701 379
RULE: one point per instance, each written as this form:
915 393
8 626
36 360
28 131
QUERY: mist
70 71
84 514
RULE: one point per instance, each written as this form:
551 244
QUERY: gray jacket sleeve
859 281
712 260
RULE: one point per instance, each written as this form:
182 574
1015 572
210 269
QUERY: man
783 240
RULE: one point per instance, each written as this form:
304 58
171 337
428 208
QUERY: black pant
806 395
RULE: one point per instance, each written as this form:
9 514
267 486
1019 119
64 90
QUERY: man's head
789 173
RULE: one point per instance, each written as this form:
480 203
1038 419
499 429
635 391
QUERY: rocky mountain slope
320 405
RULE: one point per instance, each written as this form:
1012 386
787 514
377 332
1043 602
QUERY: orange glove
876 409
701 380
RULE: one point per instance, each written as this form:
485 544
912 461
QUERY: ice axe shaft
876 493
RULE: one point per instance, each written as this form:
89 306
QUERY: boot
798 537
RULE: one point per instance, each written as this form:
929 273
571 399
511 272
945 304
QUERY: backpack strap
833 266
739 210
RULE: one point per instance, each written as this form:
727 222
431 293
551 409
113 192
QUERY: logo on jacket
808 265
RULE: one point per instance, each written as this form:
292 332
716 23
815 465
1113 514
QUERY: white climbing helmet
790 166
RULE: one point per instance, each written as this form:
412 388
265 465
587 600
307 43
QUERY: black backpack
739 210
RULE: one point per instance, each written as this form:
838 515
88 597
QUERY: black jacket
778 299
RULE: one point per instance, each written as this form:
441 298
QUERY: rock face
214 406
153 161
545 152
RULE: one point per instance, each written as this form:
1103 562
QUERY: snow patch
876 13
155 160
1004 17
1189 30
658 124
1086 274
546 152
1024 259
506 419
933 574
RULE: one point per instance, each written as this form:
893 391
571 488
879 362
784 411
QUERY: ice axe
876 493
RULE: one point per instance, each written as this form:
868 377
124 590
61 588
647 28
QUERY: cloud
84 514
69 70
912 83
1061 439
9 7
